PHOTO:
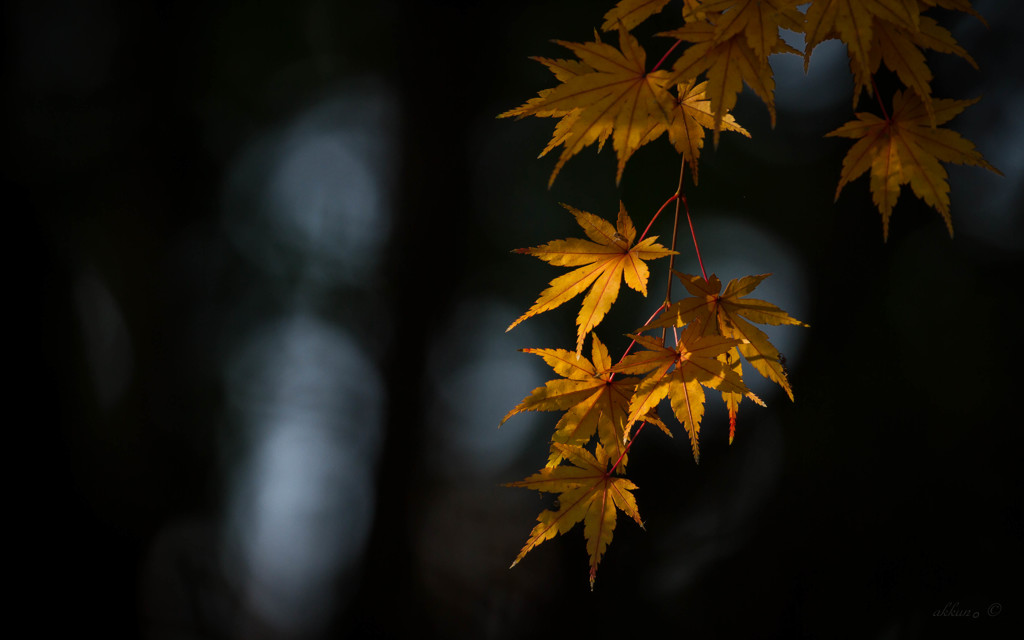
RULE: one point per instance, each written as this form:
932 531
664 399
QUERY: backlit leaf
603 262
610 93
594 400
692 116
588 493
907 149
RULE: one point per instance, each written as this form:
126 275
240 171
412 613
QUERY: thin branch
878 96
643 235
633 342
625 449
677 196
700 260
667 54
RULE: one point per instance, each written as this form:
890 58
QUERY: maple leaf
681 373
876 32
906 149
853 22
588 492
604 261
732 48
610 95
630 13
591 396
692 116
726 314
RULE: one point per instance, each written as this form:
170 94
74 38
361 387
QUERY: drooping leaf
603 262
594 400
588 493
692 116
611 94
907 149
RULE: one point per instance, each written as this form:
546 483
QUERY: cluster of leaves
608 92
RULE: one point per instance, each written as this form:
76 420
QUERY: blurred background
269 249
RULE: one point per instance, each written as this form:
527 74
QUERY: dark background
268 244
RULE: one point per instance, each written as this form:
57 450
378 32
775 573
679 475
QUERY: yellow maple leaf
588 492
603 262
681 373
594 400
692 116
731 49
906 149
609 93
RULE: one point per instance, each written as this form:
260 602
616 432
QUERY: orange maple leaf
681 373
591 396
604 261
608 92
905 149
588 492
